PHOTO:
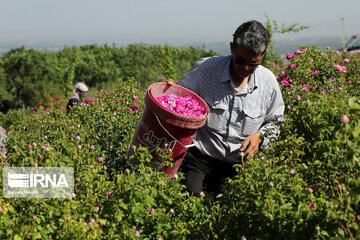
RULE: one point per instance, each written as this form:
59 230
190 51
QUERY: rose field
305 186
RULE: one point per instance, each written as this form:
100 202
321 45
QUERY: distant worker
2 141
4 108
79 90
4 105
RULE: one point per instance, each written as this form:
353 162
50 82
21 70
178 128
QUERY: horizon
282 45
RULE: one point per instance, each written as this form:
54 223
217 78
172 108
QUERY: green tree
273 27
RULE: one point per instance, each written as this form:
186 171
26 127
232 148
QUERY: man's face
244 62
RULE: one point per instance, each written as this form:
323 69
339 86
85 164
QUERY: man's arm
191 79
270 130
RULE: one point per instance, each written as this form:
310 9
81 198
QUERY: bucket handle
184 146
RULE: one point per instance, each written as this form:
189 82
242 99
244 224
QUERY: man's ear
231 47
266 50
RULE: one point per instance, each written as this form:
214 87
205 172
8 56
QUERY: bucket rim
177 115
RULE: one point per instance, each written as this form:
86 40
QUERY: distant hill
282 46
285 46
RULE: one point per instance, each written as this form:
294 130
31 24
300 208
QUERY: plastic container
161 127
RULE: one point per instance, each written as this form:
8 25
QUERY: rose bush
306 186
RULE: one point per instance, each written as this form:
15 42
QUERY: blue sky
149 20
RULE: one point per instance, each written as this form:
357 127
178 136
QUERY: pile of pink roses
187 106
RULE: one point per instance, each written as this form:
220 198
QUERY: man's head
248 48
253 36
80 88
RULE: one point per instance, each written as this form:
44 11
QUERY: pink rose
293 65
285 83
345 119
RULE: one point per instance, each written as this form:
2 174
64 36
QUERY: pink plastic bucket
161 127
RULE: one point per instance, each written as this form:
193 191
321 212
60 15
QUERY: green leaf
324 233
36 236
162 182
17 237
123 205
258 203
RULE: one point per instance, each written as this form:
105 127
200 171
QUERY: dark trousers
204 173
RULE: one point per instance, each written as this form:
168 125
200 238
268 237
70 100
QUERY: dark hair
253 36
4 106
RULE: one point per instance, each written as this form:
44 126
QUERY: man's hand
170 81
250 145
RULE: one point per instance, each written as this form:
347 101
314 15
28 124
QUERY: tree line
27 74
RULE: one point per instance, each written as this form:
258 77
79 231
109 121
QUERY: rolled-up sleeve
274 118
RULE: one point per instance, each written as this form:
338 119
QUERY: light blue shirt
234 115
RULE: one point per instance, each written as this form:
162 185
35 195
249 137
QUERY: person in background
2 141
4 105
246 109
78 92
4 108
